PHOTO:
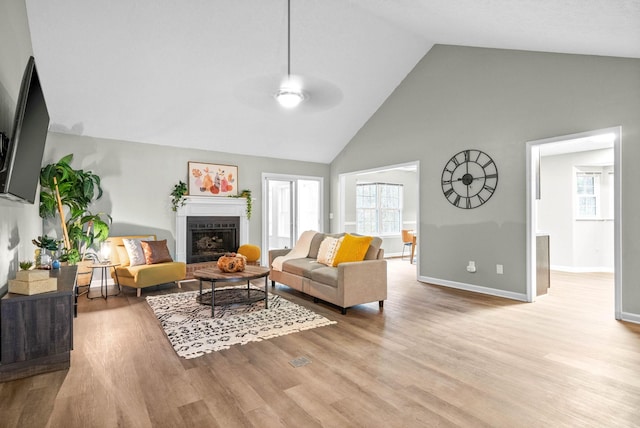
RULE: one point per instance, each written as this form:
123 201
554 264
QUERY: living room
455 98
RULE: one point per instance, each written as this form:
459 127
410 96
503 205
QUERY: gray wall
19 223
497 100
138 178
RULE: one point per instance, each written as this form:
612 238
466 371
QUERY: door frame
265 192
342 177
532 183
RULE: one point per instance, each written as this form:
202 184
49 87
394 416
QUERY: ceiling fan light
289 98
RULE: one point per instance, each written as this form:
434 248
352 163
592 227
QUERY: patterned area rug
192 332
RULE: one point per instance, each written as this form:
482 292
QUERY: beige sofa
348 284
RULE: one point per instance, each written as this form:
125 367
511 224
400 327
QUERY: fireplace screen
209 238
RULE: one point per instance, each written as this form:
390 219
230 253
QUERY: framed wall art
210 179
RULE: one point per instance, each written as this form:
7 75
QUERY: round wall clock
469 179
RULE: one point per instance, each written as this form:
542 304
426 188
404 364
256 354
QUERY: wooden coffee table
214 275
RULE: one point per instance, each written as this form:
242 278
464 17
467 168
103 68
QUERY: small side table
104 279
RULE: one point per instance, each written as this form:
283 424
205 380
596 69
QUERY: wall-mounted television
21 154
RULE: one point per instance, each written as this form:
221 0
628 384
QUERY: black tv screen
21 159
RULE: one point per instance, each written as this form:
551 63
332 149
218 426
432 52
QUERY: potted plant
25 264
246 193
62 186
177 195
45 246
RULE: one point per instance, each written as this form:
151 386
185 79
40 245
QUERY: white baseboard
475 288
629 317
574 269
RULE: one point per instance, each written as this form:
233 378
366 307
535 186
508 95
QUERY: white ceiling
201 73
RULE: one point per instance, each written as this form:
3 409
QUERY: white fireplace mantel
209 206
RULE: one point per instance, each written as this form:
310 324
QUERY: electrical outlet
499 269
471 267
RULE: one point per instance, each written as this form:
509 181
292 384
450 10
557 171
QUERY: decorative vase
232 262
36 255
45 260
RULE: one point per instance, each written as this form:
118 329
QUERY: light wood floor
432 357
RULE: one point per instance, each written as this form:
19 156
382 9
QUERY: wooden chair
408 239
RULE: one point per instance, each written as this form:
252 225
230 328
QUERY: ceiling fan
292 92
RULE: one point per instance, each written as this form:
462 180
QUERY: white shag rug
193 332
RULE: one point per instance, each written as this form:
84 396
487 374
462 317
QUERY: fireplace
209 238
218 210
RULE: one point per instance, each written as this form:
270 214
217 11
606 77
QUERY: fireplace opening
209 238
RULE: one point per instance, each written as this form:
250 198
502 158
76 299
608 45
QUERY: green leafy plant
177 195
246 193
25 265
46 243
71 256
62 186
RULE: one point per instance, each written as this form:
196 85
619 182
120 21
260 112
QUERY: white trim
265 216
209 206
629 317
582 269
532 152
474 288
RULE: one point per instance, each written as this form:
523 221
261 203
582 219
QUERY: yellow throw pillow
352 249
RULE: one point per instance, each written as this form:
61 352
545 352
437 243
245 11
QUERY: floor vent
299 362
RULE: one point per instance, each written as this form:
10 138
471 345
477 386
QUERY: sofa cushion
325 275
301 267
315 245
328 250
156 252
374 248
147 275
122 255
134 251
352 249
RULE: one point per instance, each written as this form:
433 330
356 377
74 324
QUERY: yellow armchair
146 275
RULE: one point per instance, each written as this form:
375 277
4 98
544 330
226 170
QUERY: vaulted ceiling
202 73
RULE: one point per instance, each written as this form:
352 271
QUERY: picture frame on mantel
210 179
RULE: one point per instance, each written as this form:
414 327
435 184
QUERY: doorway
406 175
292 204
588 214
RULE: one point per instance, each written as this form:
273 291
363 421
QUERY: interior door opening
573 208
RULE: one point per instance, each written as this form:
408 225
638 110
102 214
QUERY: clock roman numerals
469 179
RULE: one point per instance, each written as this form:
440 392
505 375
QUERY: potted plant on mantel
62 186
177 195
246 193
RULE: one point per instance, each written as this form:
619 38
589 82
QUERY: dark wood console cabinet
36 332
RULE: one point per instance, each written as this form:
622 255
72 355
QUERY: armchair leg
273 283
344 311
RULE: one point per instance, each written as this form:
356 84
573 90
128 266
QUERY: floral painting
208 179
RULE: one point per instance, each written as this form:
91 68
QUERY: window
588 194
378 208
